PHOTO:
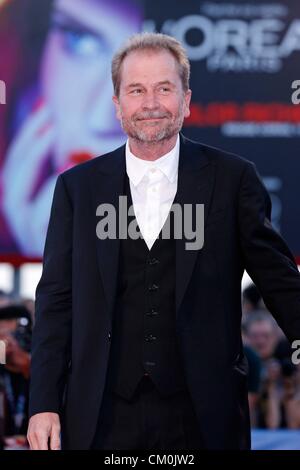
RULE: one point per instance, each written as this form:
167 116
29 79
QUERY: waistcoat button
150 338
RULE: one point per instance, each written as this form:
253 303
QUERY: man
137 343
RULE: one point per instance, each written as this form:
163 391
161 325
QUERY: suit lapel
107 186
195 184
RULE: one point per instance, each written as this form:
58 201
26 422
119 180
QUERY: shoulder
224 160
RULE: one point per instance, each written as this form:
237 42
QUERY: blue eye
83 44
77 39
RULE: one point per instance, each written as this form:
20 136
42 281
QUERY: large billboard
245 80
55 60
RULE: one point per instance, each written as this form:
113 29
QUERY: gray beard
166 133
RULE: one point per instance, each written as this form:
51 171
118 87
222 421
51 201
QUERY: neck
151 150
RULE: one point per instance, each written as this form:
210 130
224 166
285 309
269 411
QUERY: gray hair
153 42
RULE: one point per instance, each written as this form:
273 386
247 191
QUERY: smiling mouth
152 119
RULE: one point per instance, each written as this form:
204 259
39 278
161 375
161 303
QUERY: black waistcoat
144 335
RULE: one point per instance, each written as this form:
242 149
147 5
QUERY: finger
29 167
33 440
35 121
26 155
55 438
25 161
22 142
18 194
42 440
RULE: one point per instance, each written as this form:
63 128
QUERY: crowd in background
16 321
273 378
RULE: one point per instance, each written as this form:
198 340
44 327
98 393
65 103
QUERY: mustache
151 115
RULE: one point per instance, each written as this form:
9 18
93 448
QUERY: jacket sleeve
51 342
267 258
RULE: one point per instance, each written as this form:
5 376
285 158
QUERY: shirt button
153 287
153 261
153 170
109 336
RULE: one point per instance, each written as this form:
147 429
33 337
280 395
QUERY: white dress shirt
153 186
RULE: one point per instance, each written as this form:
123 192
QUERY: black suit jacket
76 293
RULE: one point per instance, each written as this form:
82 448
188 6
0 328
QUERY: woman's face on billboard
70 114
75 75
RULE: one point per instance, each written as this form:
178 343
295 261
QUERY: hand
289 388
41 428
17 360
273 372
28 216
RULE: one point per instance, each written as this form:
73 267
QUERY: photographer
15 331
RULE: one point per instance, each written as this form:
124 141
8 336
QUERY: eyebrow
63 19
163 82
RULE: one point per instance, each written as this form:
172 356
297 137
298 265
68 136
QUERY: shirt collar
136 168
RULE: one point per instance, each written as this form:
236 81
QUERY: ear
187 101
117 106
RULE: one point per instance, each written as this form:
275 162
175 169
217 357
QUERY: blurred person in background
254 382
29 304
291 394
4 298
55 60
15 331
251 299
278 377
262 334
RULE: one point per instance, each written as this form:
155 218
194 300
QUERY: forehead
262 325
149 66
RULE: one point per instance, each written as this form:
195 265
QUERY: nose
150 101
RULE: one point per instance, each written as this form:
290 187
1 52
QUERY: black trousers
149 421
